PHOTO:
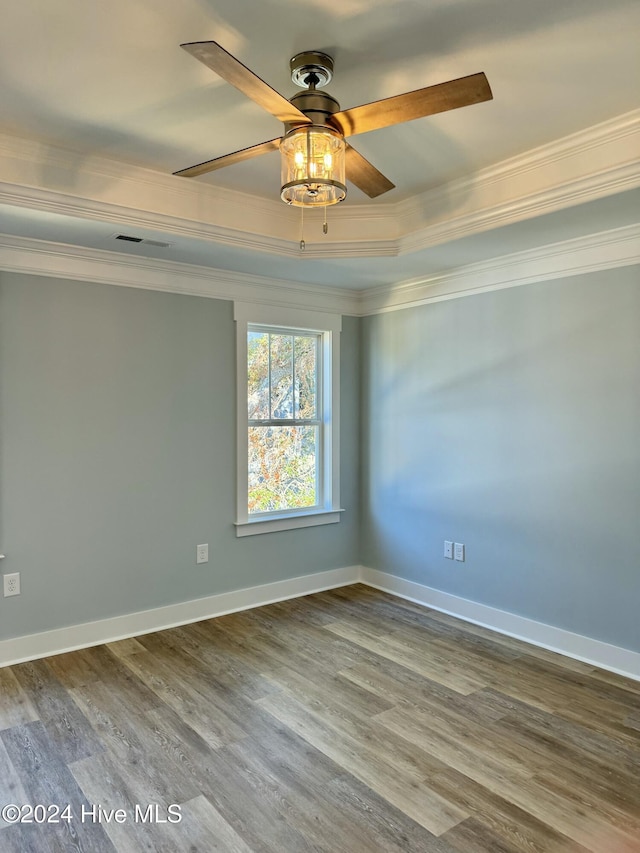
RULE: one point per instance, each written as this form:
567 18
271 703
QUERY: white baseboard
32 646
614 658
82 636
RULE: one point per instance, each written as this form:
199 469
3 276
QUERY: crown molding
559 197
63 204
584 166
621 132
58 260
102 179
599 161
594 252
591 253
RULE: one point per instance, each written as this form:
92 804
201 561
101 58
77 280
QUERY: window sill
287 522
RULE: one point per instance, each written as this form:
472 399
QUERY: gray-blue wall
117 455
510 421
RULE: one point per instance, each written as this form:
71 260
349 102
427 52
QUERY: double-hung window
288 391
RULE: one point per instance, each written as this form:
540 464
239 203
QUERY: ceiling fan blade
230 159
233 71
423 102
364 175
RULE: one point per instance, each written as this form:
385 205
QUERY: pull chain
302 243
325 227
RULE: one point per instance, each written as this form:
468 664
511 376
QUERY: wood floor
348 721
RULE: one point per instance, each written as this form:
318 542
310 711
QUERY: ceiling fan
315 154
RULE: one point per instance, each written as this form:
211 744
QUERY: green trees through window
283 397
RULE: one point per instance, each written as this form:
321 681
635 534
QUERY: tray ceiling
109 82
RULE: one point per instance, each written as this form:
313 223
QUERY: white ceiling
109 80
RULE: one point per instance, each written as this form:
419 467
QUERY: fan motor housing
316 105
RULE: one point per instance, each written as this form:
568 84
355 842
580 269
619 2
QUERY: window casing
288 417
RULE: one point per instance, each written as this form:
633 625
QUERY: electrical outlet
448 549
459 551
202 554
11 584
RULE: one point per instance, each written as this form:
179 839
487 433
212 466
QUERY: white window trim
329 326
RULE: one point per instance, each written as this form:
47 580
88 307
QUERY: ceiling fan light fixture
313 166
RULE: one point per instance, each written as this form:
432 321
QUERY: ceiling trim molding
599 161
591 253
58 260
63 204
580 191
594 252
621 131
64 166
585 166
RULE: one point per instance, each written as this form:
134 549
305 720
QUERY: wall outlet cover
11 584
202 554
448 549
459 551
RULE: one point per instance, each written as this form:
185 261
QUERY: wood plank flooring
343 722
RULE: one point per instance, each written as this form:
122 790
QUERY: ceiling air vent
129 239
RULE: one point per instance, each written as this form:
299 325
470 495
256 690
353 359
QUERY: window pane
258 375
281 376
306 347
282 468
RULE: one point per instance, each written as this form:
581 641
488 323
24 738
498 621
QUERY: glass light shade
313 167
